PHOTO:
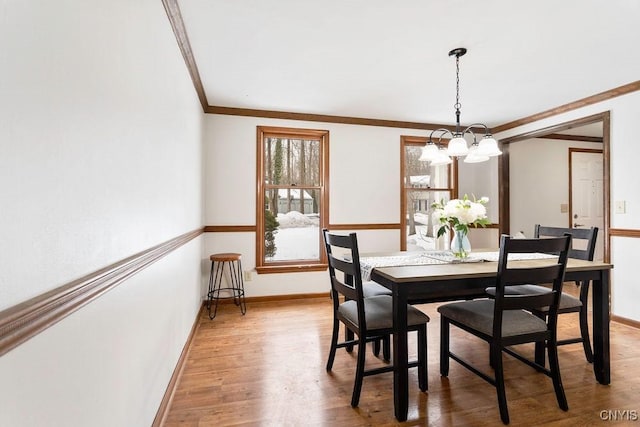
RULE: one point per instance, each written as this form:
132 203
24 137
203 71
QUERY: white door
587 197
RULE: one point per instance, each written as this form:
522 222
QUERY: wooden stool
236 283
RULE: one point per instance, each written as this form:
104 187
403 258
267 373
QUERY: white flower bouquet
458 215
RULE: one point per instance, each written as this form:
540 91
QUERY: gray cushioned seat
378 312
478 314
566 301
372 289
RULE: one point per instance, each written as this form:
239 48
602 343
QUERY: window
292 199
421 185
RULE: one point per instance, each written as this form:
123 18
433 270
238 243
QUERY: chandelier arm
468 130
443 130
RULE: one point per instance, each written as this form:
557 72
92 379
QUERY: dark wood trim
580 138
593 99
163 409
290 268
230 228
27 319
538 133
624 232
336 227
253 228
606 148
382 226
504 200
272 298
177 24
286 115
625 321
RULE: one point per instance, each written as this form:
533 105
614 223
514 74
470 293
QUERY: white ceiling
380 59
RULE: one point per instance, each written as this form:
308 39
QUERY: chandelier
457 147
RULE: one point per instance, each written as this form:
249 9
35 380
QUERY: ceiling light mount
457 147
458 52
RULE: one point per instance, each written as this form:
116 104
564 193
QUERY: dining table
427 277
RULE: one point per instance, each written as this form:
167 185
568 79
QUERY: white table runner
436 257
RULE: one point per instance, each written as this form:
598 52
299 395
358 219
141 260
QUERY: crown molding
179 30
593 99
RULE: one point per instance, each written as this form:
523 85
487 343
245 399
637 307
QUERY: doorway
535 181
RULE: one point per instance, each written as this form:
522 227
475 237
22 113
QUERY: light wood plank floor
267 368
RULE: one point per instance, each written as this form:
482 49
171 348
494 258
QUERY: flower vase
460 245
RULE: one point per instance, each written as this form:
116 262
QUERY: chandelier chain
457 104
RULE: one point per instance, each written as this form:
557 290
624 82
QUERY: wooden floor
267 368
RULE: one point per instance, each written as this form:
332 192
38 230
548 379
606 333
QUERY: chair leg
540 346
376 347
584 326
386 348
334 343
423 377
444 346
554 366
499 376
348 336
357 386
584 332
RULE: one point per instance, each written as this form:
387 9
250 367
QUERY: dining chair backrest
587 235
349 282
550 270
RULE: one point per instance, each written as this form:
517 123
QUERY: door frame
503 171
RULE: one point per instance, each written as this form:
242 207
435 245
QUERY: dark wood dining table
443 282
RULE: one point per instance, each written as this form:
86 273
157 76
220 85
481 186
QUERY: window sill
299 268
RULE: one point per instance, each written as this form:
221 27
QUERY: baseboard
165 404
271 298
625 321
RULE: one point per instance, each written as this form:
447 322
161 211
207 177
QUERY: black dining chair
585 238
507 320
369 319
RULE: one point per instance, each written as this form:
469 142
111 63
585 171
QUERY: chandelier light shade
457 147
429 152
441 158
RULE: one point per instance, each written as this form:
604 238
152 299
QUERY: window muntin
293 199
421 185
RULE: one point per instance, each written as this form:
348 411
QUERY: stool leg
243 304
210 289
235 281
217 283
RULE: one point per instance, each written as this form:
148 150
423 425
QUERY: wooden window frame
405 187
263 132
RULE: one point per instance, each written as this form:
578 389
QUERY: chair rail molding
27 319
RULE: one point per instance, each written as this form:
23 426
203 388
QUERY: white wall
539 182
625 181
101 153
364 169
